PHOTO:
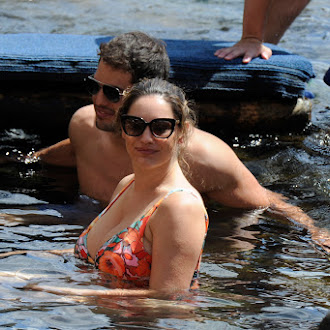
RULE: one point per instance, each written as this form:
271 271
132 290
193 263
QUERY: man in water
96 149
263 21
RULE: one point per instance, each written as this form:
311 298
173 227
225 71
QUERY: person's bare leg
280 16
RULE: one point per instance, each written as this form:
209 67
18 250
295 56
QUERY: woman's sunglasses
160 128
112 93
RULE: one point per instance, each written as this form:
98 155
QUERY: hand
280 209
246 47
321 237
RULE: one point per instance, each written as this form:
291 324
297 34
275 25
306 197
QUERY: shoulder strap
116 197
155 207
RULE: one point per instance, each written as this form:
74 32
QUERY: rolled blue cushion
326 77
193 65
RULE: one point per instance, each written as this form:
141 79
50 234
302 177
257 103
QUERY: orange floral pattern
124 255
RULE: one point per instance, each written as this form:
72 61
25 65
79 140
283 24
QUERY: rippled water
257 272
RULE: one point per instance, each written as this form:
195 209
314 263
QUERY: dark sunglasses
160 128
112 93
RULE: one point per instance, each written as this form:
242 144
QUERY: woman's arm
178 232
20 252
91 292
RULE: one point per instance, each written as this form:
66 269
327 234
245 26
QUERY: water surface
257 272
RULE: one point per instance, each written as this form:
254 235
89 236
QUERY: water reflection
256 270
318 143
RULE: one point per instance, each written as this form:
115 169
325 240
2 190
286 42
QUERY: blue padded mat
193 65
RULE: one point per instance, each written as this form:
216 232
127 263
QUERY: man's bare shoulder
217 172
82 121
205 148
83 116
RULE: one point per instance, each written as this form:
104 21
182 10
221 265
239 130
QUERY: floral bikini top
124 255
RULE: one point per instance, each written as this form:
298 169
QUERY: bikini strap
155 207
116 197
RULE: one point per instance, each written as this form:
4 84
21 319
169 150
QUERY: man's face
106 110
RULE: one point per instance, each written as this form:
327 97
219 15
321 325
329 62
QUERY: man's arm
279 208
59 154
243 191
221 176
251 43
217 172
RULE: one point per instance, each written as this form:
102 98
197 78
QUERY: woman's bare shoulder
183 206
122 184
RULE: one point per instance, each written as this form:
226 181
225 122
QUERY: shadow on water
257 273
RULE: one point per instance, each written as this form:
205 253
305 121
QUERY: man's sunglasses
112 93
160 128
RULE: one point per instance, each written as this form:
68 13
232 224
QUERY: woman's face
147 149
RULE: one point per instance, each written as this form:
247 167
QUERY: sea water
257 272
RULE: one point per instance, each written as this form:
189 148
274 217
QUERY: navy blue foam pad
193 65
326 77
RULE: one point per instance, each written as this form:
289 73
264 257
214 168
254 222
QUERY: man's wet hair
137 53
